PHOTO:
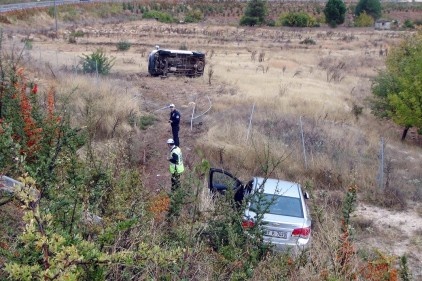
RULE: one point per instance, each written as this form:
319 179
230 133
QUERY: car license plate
274 233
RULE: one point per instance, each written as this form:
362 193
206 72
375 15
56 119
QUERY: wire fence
380 177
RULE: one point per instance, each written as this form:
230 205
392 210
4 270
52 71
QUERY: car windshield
278 205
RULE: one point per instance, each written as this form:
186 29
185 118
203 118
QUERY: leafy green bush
123 45
97 62
250 21
194 16
297 19
77 33
158 15
408 24
231 241
308 41
74 34
364 20
271 22
146 121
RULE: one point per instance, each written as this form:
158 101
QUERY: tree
255 13
371 7
334 12
397 90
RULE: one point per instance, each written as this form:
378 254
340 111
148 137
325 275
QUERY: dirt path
401 233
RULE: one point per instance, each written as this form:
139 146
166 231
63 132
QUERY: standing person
174 122
176 164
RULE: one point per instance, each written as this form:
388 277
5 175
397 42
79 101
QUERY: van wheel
200 66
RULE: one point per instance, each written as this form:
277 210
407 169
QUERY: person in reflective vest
176 164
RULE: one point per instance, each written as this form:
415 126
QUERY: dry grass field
264 85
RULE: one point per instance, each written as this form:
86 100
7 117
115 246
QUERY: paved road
43 4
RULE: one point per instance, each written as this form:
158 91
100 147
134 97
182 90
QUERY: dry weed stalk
260 67
253 55
282 90
210 74
261 56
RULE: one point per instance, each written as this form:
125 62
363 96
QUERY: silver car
285 217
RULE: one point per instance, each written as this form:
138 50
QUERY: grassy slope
294 85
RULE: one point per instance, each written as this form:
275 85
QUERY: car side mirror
306 195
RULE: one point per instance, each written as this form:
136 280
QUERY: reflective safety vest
178 167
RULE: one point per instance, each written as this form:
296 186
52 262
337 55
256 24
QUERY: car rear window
278 205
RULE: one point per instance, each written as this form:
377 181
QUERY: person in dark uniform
174 122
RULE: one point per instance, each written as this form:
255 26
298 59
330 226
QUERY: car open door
221 181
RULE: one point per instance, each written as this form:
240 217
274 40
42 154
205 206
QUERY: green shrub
371 7
123 45
364 20
97 62
408 24
250 21
194 16
308 41
146 121
230 240
270 22
297 19
77 33
160 16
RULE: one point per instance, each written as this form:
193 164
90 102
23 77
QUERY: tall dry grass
339 143
104 105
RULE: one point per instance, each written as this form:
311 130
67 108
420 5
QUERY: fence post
303 143
250 122
380 176
193 112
